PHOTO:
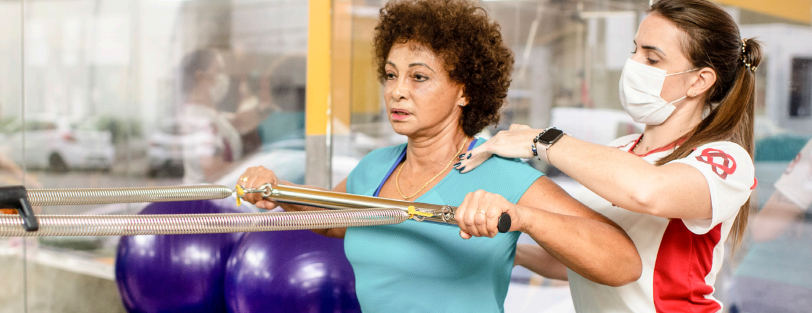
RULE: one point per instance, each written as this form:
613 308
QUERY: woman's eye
652 61
634 51
390 76
420 78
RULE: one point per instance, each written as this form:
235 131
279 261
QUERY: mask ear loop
686 96
678 100
688 71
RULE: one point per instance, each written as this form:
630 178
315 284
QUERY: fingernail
469 156
462 168
461 156
457 164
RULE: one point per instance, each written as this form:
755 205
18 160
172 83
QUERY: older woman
446 73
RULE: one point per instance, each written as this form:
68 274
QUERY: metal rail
80 196
18 197
161 224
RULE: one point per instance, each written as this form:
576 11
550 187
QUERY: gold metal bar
341 201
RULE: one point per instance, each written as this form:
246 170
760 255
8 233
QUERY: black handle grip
16 197
504 223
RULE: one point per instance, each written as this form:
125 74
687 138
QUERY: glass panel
12 250
770 273
144 93
160 93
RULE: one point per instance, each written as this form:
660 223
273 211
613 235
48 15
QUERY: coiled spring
81 196
159 224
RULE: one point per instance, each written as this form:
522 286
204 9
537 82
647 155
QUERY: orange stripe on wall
318 68
796 10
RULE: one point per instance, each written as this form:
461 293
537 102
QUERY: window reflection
143 93
148 92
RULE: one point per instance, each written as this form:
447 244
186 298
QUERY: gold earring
691 93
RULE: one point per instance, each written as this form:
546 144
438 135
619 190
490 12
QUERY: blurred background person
775 275
213 140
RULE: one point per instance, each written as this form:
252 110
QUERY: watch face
550 135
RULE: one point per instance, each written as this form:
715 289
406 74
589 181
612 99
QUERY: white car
58 144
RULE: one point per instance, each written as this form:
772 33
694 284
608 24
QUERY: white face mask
220 89
640 88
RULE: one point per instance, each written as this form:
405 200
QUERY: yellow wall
318 68
366 89
796 10
341 66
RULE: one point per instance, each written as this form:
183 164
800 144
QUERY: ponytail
713 41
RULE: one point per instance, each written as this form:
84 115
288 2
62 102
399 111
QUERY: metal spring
160 224
80 196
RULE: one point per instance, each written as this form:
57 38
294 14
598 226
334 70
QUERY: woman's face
421 100
658 44
215 80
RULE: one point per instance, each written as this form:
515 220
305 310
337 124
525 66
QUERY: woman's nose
399 92
639 58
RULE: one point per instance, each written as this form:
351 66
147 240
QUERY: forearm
619 177
778 215
537 260
247 121
596 250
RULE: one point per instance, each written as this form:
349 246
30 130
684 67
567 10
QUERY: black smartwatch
547 138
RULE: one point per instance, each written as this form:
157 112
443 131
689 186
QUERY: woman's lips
399 115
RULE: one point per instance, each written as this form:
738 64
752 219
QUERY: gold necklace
397 178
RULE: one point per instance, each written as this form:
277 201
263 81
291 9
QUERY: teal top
282 125
426 267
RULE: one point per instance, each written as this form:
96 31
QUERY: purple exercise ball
290 271
176 273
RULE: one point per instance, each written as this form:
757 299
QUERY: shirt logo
727 164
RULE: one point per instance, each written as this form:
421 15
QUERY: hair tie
744 56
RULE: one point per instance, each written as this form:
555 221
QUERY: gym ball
290 271
176 273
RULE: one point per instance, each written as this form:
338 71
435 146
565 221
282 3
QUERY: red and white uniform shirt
680 257
796 183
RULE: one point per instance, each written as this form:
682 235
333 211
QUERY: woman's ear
462 100
705 80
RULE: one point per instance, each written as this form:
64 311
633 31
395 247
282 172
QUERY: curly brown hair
468 42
